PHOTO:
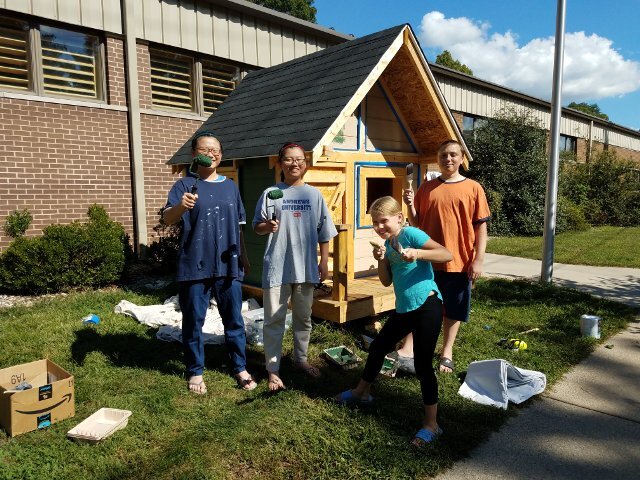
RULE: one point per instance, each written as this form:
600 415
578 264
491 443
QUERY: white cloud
593 69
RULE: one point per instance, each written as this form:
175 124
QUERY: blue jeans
194 298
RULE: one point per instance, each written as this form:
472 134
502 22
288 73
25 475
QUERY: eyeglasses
205 150
289 160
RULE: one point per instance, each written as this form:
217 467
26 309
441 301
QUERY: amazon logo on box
35 395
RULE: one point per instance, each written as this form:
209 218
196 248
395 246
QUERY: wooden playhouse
363 110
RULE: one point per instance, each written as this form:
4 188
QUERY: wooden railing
341 263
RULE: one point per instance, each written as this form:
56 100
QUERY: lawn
298 433
598 246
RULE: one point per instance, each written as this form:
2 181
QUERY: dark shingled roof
295 101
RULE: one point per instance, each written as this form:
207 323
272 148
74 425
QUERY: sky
511 43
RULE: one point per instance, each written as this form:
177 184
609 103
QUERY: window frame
35 64
199 63
397 173
563 143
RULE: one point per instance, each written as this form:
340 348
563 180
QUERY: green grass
297 433
598 246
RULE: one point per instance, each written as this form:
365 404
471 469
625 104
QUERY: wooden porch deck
365 297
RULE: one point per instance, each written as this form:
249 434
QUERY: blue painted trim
356 178
398 121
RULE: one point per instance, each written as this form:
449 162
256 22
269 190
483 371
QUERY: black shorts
455 288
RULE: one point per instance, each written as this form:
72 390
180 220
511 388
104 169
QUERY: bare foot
275 382
245 381
308 369
196 384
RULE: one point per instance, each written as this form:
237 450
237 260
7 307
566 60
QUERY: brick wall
144 75
116 80
56 160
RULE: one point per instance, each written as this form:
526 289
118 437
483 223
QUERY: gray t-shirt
291 254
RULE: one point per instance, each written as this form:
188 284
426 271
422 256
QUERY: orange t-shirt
447 212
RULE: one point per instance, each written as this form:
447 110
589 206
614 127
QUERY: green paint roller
198 160
274 194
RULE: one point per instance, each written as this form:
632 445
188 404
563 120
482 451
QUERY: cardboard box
50 400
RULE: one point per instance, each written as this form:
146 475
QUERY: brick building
96 97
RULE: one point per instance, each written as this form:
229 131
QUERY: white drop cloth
169 318
497 382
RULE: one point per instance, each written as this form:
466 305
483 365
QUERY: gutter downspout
590 141
135 131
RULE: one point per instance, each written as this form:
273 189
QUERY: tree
509 153
302 9
446 60
589 109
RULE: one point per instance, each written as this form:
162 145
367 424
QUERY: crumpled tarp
497 382
168 318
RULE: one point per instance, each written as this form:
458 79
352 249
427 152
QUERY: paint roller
274 194
198 160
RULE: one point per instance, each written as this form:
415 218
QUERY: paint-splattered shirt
210 238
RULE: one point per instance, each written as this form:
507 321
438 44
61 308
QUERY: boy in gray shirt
297 220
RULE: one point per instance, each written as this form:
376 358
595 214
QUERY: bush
608 189
17 223
570 216
164 252
70 256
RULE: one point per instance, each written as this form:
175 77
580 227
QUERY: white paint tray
100 425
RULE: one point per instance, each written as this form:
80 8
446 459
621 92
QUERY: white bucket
590 326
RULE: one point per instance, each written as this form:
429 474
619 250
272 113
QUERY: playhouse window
378 187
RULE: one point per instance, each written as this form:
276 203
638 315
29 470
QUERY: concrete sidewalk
588 425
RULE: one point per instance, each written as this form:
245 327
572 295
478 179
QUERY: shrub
165 251
70 256
608 189
570 216
17 223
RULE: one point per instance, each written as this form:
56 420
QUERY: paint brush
410 176
274 194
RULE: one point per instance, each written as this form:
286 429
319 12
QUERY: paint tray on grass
389 367
341 357
100 425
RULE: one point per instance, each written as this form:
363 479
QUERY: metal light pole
551 196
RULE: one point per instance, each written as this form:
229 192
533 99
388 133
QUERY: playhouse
363 110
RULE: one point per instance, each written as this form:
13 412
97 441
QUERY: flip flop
424 436
198 385
246 383
349 399
448 363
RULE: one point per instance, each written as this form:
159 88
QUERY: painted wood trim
360 94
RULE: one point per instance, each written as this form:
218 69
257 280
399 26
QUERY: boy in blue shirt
212 261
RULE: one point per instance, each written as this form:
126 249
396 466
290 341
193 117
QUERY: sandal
447 363
424 436
349 399
197 387
246 383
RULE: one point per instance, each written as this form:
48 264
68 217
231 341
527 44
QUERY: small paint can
93 319
590 326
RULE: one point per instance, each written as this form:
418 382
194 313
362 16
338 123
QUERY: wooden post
341 263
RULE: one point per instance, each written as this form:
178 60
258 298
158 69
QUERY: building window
69 62
218 81
171 81
470 123
175 84
14 54
568 144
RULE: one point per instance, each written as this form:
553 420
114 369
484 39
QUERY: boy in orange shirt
453 210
